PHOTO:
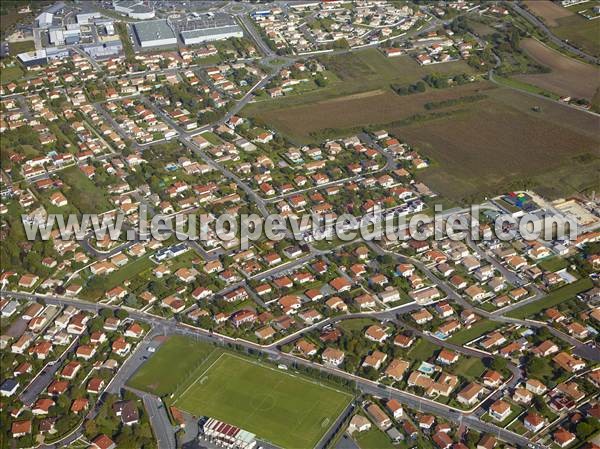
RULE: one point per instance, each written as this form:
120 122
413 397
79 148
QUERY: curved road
556 40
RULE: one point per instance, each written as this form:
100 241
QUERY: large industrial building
42 57
88 17
134 9
154 33
46 18
210 34
208 27
104 50
62 36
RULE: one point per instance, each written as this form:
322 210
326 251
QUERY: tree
498 364
121 314
91 430
584 430
515 39
320 81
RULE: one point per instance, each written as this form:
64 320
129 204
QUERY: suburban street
272 64
581 349
170 327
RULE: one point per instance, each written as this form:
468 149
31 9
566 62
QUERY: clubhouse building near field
227 436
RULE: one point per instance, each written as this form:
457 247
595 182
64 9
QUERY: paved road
510 276
248 26
366 386
544 29
164 431
347 442
586 351
114 125
46 376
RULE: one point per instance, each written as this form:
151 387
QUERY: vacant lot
371 64
158 375
476 330
373 439
552 300
15 48
288 410
501 143
548 11
86 196
309 122
568 77
136 272
10 74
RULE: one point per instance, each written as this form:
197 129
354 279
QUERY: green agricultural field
476 330
288 410
168 367
553 299
580 32
358 74
508 141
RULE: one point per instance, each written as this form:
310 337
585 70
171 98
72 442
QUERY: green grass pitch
287 410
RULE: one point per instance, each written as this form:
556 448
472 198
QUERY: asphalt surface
366 386
159 420
581 349
160 423
46 376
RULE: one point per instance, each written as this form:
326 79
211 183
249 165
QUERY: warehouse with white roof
193 37
200 28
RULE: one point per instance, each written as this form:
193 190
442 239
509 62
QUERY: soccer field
158 376
287 410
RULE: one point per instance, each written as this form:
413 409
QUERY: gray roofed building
55 8
109 48
201 35
134 9
154 33
9 387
